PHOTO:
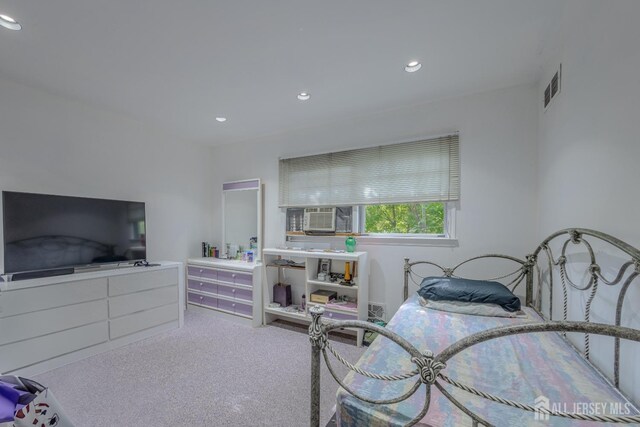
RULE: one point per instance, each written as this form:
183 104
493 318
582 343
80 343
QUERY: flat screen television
48 232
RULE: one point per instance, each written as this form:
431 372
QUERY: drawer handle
201 270
233 291
201 284
233 305
233 275
201 298
330 314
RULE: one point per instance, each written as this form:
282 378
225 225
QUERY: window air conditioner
321 220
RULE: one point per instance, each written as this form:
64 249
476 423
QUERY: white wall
498 133
52 145
589 149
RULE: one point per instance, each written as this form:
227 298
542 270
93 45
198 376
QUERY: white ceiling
176 65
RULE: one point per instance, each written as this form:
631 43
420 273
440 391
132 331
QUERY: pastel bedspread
521 368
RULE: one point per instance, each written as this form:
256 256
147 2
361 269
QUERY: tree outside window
405 218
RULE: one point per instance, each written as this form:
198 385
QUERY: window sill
383 240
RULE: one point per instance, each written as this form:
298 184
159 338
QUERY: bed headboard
527 270
513 278
625 269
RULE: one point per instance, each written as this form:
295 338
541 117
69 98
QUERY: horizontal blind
419 171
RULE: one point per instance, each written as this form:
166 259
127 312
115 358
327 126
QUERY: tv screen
44 232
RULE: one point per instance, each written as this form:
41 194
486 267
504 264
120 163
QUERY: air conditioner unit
319 220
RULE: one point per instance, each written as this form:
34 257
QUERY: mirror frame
244 185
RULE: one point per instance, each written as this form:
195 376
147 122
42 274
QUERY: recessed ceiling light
412 67
303 96
221 119
9 23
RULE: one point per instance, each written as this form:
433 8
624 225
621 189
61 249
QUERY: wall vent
553 88
376 312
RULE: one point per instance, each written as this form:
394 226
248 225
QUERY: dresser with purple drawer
224 286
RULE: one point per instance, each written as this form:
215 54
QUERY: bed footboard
430 369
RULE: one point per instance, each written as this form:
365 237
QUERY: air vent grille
553 88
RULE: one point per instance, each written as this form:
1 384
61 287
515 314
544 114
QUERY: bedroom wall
589 150
49 144
497 212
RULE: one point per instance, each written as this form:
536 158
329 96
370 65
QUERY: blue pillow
466 290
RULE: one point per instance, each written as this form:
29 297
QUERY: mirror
242 219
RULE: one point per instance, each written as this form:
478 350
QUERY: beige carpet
212 372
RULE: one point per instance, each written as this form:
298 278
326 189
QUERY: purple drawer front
341 316
194 271
226 276
235 293
227 305
203 286
244 279
226 291
207 273
243 294
204 300
244 309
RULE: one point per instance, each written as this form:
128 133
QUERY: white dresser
226 286
49 322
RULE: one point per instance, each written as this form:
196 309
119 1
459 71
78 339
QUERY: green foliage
408 218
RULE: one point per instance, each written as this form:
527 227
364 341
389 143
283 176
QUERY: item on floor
28 403
282 294
350 243
323 296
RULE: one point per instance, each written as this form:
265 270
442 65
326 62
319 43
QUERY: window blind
419 171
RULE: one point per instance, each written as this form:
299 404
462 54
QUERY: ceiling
176 65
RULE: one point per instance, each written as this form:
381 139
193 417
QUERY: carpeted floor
212 372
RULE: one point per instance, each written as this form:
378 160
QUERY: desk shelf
309 283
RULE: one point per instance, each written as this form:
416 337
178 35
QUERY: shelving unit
303 281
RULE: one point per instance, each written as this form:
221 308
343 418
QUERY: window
405 218
405 189
410 172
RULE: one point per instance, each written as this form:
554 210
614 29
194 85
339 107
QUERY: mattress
521 368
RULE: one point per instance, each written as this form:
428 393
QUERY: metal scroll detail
317 336
623 274
429 367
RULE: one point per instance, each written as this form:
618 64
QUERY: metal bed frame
430 369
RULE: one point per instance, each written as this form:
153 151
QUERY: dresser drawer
243 279
244 309
340 316
226 276
29 300
202 272
235 307
203 300
198 285
235 293
142 281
